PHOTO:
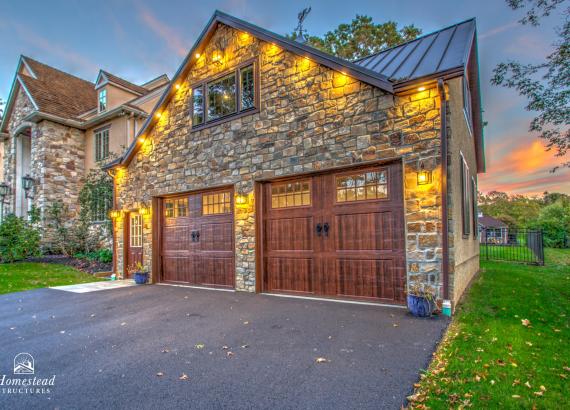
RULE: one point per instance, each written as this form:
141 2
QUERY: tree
361 37
554 221
546 85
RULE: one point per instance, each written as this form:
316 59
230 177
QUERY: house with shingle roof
57 127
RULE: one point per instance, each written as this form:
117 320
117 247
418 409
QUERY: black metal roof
438 52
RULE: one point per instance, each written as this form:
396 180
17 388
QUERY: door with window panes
134 241
197 246
336 235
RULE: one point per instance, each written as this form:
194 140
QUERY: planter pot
141 278
420 306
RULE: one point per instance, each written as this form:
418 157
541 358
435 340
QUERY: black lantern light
4 188
424 177
27 183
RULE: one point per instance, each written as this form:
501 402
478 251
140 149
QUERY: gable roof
112 78
439 52
57 92
490 222
461 36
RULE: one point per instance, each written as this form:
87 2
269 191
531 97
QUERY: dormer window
102 100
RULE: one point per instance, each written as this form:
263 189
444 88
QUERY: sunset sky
139 40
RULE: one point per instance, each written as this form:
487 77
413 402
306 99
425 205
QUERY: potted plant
140 274
421 299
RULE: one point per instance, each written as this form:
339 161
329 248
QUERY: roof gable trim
346 67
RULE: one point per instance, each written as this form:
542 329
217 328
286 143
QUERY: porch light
424 177
4 189
115 214
242 200
27 183
177 86
217 57
144 210
420 89
158 115
197 55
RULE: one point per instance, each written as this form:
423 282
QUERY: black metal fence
510 244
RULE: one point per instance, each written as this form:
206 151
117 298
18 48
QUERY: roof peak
416 39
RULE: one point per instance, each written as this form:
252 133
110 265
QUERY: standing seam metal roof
437 52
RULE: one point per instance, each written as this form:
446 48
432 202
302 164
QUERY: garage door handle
326 228
319 229
197 236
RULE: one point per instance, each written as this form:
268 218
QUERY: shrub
19 239
554 220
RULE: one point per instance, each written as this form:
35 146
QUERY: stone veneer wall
22 107
57 161
310 118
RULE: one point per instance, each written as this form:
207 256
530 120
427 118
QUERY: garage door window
175 208
136 231
216 203
362 186
291 194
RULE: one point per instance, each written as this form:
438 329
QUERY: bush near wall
19 238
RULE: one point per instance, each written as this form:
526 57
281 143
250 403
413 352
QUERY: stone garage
269 166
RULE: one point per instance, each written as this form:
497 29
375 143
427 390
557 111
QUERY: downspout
444 216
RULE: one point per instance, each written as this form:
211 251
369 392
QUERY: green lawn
509 342
15 277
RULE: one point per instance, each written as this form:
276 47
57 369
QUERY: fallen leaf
516 396
123 324
538 393
477 378
160 374
492 382
165 350
527 384
566 368
516 382
225 347
244 346
199 345
321 360
396 325
230 354
529 343
184 376
542 388
525 322
246 323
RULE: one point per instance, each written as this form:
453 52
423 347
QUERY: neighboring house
272 167
57 127
492 230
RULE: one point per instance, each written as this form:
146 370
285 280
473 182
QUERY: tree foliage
361 37
546 85
550 213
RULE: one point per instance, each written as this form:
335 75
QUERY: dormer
113 91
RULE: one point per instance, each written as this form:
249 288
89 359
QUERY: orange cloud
523 170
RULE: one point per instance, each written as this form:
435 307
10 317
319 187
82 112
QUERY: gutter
37 116
444 215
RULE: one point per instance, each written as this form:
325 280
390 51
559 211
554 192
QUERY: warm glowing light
177 86
421 89
242 200
144 210
197 55
340 79
115 214
141 140
217 57
424 177
158 115
244 37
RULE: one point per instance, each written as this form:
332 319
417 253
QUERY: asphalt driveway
130 347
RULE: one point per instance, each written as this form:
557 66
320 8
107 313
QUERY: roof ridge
56 69
415 39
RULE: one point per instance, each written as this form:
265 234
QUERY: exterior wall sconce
115 214
424 177
242 200
27 184
217 57
144 210
4 189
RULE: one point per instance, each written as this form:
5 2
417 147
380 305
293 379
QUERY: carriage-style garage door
336 235
197 246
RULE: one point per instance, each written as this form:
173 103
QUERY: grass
508 343
16 277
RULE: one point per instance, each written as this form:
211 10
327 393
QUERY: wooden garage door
336 235
198 239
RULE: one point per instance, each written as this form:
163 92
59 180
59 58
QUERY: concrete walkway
96 286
